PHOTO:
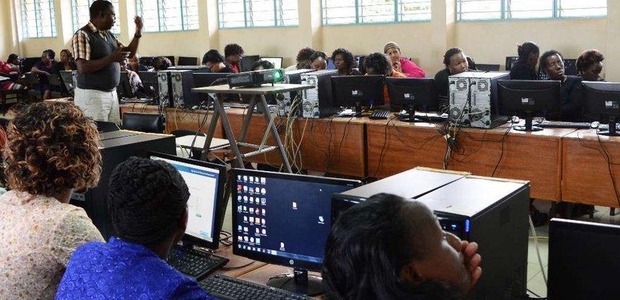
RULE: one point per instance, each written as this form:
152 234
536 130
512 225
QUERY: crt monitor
247 61
284 219
528 99
583 260
411 94
602 103
206 204
357 91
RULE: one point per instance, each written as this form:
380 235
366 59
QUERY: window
374 11
38 18
529 9
168 15
257 13
81 14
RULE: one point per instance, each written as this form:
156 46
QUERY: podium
256 97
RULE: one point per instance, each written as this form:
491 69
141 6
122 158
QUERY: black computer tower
493 213
116 147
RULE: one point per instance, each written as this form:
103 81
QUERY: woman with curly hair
52 149
343 59
590 65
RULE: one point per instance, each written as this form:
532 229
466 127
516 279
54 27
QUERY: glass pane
580 8
414 10
289 13
260 13
479 9
530 9
171 16
376 11
339 12
231 13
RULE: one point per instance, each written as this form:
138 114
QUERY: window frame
506 15
161 20
116 30
24 20
397 19
278 19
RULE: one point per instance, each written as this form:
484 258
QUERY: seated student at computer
389 248
215 62
590 65
318 61
161 63
407 67
10 69
302 60
232 55
147 203
525 66
552 64
44 68
455 61
66 63
52 149
135 65
343 60
379 64
262 65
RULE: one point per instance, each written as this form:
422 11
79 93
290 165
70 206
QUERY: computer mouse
595 124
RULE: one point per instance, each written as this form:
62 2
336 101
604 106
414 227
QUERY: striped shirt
81 45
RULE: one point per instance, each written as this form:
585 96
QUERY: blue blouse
123 270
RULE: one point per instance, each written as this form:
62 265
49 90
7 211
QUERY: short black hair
212 56
146 200
304 54
265 64
588 58
98 7
543 63
50 53
232 49
524 50
12 57
379 63
449 53
318 54
348 57
161 63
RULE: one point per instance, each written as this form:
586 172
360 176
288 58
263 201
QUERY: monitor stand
300 283
358 109
410 115
528 124
612 128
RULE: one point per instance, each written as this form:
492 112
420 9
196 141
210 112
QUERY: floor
535 281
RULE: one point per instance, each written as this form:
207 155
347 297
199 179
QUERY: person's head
318 60
102 14
147 202
552 64
262 65
303 58
343 60
590 64
529 53
134 63
48 56
233 53
212 59
392 50
13 59
391 248
51 148
455 61
161 63
378 64
66 56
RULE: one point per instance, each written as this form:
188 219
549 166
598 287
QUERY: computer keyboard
225 287
564 124
136 100
379 114
195 263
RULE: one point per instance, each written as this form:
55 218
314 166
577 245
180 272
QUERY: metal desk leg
274 131
219 109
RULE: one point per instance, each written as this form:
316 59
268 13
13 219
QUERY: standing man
98 55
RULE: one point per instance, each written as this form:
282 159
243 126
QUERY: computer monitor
276 61
528 99
187 61
284 219
247 61
150 83
208 79
207 204
124 87
68 78
602 103
510 60
583 260
146 60
411 94
357 91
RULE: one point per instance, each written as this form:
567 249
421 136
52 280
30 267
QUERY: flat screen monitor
528 99
284 219
510 60
124 87
357 91
583 260
206 204
602 103
276 61
208 79
150 84
247 61
146 60
411 95
187 61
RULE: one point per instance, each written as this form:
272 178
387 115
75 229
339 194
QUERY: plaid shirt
81 44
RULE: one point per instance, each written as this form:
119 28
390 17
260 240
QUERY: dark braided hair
379 63
147 199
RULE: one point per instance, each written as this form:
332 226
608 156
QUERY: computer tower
164 88
182 82
493 213
473 99
285 101
317 101
116 147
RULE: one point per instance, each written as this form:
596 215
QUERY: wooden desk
237 265
590 167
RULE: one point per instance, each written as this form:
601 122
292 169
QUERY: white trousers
99 105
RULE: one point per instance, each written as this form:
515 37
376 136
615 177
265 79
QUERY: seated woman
44 68
302 60
343 60
552 64
233 54
403 65
10 69
52 149
389 248
379 64
455 61
161 63
590 65
525 67
67 63
318 61
215 61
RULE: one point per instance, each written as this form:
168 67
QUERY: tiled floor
535 281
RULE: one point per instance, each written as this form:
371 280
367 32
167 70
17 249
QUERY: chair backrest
143 122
